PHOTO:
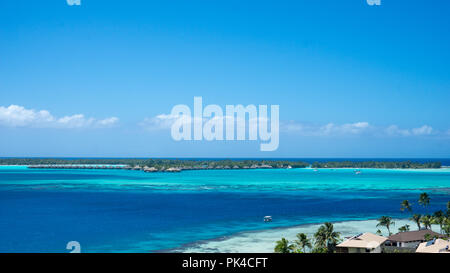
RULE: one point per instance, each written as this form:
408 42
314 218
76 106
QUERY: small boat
267 219
357 172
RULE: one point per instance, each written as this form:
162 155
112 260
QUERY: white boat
267 218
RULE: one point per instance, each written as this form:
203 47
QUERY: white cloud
357 128
165 121
73 2
162 122
75 121
292 126
326 130
108 122
424 130
19 116
348 128
394 130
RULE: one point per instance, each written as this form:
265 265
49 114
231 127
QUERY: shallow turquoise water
133 211
227 180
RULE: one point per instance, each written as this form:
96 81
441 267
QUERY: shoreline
174 169
178 165
264 240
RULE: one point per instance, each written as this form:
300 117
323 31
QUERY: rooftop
413 236
364 240
434 246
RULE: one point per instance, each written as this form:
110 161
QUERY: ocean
41 210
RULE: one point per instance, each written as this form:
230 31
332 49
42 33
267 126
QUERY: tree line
218 163
324 241
440 217
378 164
326 238
159 163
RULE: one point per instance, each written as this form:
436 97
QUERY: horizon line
249 158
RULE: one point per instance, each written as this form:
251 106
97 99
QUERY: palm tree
447 226
326 237
438 218
426 220
303 242
405 205
403 228
283 246
424 199
386 221
317 249
320 238
428 237
416 219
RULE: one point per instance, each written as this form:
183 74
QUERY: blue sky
352 80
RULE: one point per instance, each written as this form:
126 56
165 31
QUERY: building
434 246
362 243
411 239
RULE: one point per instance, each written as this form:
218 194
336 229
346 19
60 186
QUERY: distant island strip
177 165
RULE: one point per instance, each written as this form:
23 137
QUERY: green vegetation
187 164
326 237
446 227
386 221
439 219
325 241
319 250
406 205
416 219
424 199
427 220
403 228
429 237
283 246
377 164
303 243
161 164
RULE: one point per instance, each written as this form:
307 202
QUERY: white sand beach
264 241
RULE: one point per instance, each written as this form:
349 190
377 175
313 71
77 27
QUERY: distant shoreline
178 165
182 167
357 171
306 168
